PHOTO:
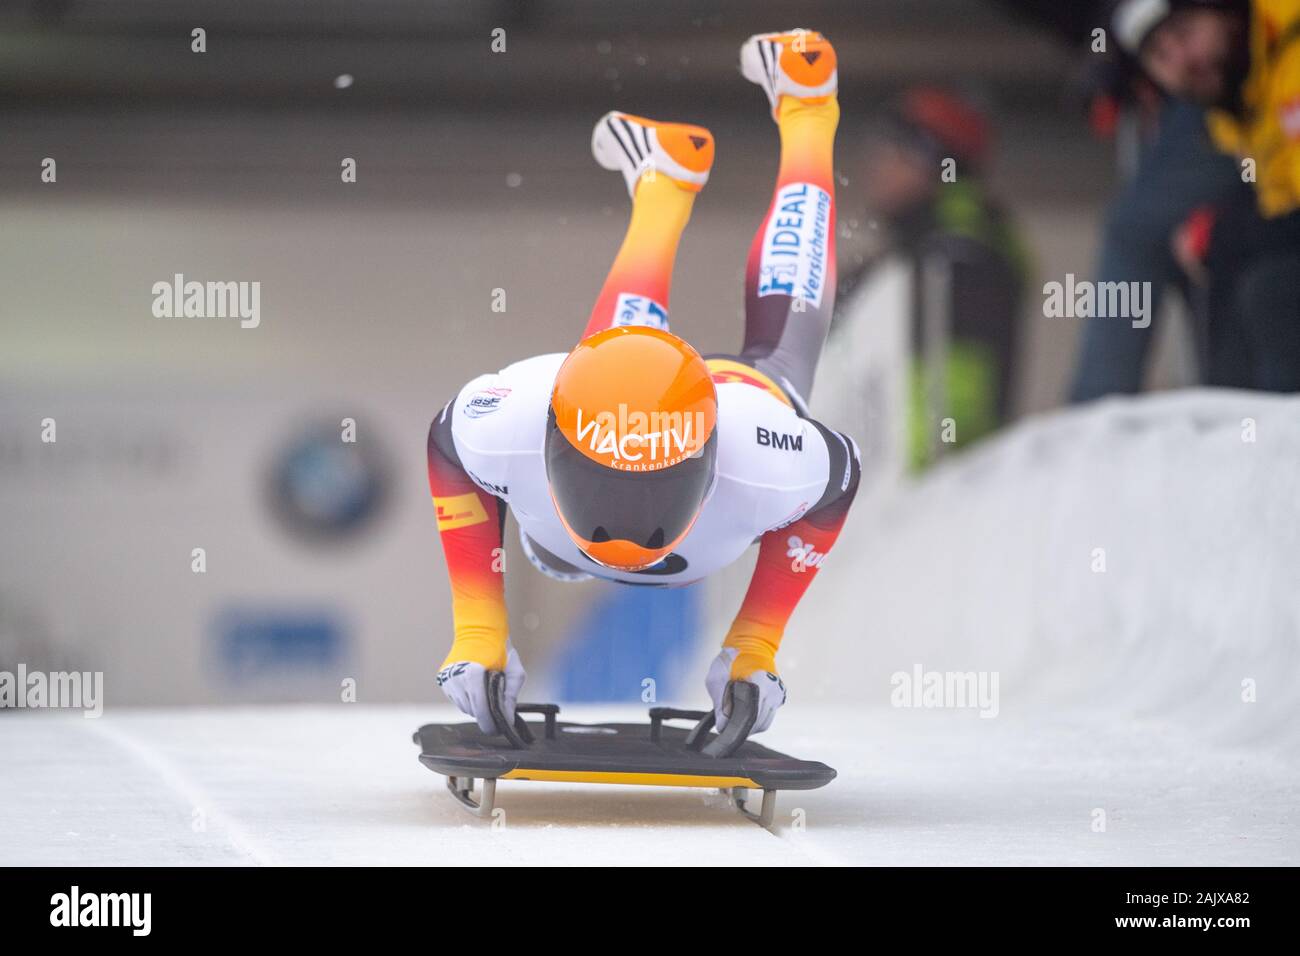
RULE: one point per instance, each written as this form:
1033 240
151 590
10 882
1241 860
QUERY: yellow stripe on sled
638 779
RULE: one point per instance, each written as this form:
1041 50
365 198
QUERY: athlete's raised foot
798 63
634 145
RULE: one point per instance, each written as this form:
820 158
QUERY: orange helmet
631 447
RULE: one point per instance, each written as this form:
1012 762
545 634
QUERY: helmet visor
603 507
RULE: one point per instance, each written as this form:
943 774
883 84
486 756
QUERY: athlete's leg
665 165
790 274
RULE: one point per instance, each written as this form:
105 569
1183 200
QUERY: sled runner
654 754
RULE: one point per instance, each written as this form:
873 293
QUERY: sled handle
517 734
700 732
548 711
744 711
659 714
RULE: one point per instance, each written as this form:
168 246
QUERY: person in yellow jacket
1240 59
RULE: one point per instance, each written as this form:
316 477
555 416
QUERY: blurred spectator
924 185
1171 168
1178 170
1239 60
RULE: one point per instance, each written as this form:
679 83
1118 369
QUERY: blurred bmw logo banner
325 488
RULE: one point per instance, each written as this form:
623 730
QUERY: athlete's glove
771 691
465 684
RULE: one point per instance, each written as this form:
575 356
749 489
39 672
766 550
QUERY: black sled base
654 754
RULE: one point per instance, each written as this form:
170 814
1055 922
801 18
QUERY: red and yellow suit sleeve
470 524
788 560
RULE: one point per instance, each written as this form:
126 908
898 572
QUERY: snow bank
1137 556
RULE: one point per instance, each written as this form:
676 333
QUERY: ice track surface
342 785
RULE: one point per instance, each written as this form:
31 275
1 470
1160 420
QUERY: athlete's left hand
771 691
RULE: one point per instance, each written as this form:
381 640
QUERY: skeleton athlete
635 459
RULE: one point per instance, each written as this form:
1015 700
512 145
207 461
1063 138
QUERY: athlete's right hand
465 684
